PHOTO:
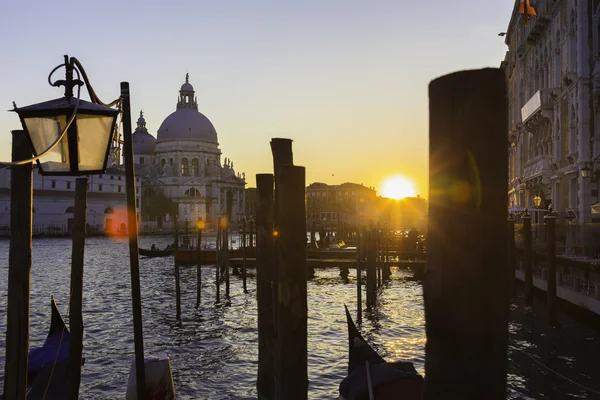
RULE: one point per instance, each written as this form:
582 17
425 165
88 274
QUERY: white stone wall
53 196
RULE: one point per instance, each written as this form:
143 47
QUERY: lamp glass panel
43 131
93 135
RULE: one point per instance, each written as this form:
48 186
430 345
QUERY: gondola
370 377
156 253
47 365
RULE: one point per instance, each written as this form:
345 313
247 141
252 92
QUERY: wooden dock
322 263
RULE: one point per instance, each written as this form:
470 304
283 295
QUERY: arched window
195 170
70 210
163 162
185 168
192 193
108 210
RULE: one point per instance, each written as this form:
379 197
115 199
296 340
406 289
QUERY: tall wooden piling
244 256
177 292
371 269
512 254
527 258
282 155
466 306
19 271
218 256
251 231
313 230
358 279
134 256
551 264
290 246
264 294
200 226
176 231
76 300
228 208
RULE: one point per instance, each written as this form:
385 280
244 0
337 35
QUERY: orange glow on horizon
398 187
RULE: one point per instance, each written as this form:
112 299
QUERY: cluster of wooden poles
222 268
550 256
372 249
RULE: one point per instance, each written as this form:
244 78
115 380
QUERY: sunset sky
346 80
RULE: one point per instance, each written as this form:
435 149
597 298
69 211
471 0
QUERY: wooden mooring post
251 231
19 271
264 293
512 254
76 298
177 292
551 264
371 268
359 247
200 227
282 155
466 306
378 254
527 258
218 255
290 247
244 256
228 208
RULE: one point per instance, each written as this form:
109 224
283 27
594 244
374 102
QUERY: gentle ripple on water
213 349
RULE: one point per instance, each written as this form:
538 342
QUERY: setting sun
398 187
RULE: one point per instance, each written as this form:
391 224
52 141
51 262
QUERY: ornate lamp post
70 136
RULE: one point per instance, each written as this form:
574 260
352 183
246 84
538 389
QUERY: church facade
182 171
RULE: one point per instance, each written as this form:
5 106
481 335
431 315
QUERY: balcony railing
541 100
537 166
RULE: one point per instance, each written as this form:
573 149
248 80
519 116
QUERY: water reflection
213 348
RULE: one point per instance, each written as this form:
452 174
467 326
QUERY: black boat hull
397 380
156 253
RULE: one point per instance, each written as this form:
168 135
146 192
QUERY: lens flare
116 224
398 187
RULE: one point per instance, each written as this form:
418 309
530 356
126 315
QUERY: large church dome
187 123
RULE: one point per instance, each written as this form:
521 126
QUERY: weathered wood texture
551 264
290 248
264 293
76 301
19 271
527 256
465 285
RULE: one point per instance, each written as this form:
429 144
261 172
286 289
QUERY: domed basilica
183 164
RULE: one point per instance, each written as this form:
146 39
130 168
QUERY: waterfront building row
54 200
552 69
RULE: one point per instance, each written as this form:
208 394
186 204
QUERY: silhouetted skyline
346 80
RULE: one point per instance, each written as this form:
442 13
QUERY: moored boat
370 377
47 365
156 253
209 256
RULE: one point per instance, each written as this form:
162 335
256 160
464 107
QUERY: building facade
553 75
182 170
349 204
54 200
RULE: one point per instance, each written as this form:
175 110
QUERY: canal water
213 349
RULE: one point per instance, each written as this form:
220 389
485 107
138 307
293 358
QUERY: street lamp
69 136
586 171
537 200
